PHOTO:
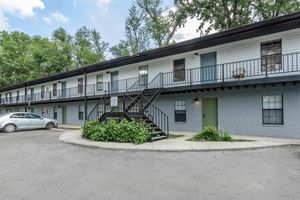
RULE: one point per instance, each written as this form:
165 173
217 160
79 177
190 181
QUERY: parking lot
36 165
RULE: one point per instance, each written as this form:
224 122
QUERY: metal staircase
136 105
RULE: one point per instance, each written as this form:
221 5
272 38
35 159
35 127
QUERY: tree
88 47
137 35
121 49
222 15
16 65
63 41
24 57
217 14
266 9
162 23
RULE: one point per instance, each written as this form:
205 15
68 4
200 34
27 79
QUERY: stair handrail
162 122
95 107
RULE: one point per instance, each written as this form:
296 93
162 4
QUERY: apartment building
244 80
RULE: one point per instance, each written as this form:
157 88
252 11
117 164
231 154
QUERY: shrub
114 131
225 136
211 133
88 129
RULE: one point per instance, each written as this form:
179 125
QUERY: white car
11 122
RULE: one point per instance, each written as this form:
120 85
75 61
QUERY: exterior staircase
136 105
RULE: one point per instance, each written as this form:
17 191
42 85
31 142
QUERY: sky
41 17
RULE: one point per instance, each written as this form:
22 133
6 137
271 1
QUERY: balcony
239 71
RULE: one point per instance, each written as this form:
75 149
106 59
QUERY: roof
275 25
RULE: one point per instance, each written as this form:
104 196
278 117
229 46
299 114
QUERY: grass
232 140
213 134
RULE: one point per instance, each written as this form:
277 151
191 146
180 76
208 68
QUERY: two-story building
245 80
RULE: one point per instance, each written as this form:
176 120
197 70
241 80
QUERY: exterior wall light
196 100
196 55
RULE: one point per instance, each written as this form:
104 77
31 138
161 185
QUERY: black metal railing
267 66
114 87
159 118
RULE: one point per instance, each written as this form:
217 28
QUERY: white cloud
19 8
3 22
56 17
103 6
189 31
75 3
103 3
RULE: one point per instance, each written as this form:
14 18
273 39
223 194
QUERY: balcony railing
269 66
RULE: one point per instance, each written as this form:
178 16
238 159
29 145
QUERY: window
54 92
143 75
180 111
8 110
179 70
18 115
8 97
33 116
32 94
54 112
80 112
273 109
271 57
42 91
80 85
99 82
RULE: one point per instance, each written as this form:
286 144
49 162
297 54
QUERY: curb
175 150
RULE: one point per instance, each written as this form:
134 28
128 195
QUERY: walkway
180 144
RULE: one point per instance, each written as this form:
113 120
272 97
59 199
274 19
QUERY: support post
25 99
85 97
223 71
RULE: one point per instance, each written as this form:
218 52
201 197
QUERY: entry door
208 67
114 77
210 112
32 94
64 89
64 114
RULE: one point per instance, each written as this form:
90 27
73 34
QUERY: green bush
211 133
225 136
114 131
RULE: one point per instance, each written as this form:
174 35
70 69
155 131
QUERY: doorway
209 112
208 71
64 114
114 77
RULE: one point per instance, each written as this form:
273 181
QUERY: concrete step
158 138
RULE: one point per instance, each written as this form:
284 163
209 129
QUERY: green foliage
136 32
24 57
114 131
161 22
211 133
221 15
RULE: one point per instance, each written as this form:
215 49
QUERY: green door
210 112
64 114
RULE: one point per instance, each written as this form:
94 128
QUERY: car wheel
50 125
9 128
